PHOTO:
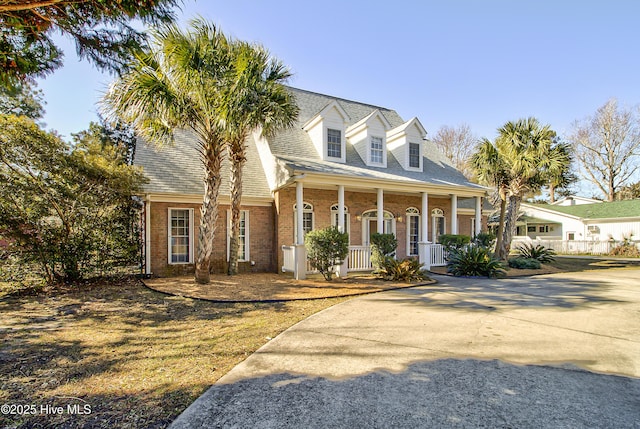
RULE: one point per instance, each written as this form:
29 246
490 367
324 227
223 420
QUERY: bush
524 263
485 239
627 248
326 248
406 270
382 245
473 260
69 209
539 253
453 242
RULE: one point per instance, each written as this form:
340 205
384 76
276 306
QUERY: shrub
539 253
453 242
627 248
473 260
382 245
485 239
524 263
407 270
326 248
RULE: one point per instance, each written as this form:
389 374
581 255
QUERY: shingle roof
177 169
295 148
606 210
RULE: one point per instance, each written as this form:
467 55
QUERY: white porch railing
359 258
438 255
289 263
432 255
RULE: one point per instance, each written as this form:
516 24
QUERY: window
413 231
414 155
531 229
439 225
334 143
571 236
543 228
307 220
334 217
377 150
243 235
180 236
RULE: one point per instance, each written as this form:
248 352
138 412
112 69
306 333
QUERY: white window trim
420 156
412 212
342 158
437 213
334 218
306 208
169 235
383 162
247 255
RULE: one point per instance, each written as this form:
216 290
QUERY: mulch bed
270 287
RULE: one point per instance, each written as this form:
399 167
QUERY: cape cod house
357 166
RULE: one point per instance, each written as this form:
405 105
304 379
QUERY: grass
136 357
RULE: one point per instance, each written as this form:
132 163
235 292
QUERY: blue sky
447 62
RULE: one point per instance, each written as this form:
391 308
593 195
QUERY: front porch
416 214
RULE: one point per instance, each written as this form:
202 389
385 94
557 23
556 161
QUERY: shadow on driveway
442 393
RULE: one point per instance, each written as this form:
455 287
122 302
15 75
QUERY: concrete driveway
548 351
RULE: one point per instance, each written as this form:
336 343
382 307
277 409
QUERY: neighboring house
359 167
595 221
574 201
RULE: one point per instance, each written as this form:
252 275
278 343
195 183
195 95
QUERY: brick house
340 164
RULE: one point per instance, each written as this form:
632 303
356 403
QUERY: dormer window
327 132
414 155
405 143
334 143
368 137
377 150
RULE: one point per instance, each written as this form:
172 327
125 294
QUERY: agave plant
539 252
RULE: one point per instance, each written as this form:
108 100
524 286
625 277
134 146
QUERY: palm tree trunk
235 190
499 234
552 193
212 155
510 224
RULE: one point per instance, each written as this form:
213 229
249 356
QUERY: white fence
570 247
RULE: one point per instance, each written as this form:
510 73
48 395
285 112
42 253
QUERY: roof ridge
341 99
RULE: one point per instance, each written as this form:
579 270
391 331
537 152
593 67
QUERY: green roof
616 209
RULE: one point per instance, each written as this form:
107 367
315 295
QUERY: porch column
300 271
454 214
343 268
423 244
380 211
478 215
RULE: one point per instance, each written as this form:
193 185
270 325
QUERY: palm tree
177 83
523 158
489 169
255 99
561 176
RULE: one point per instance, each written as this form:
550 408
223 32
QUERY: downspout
147 235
